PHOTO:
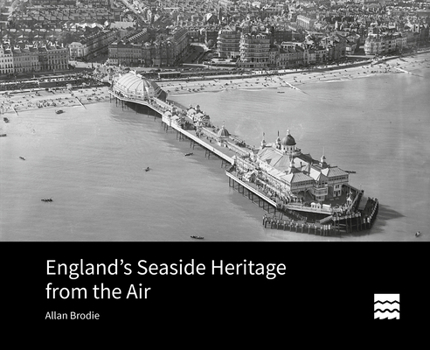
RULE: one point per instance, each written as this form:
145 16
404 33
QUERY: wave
386 307
386 310
386 301
385 315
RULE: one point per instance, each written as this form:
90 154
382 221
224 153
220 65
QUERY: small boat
6 120
197 237
147 169
59 111
46 200
188 154
281 92
3 135
417 234
22 158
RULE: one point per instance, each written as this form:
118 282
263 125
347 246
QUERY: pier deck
330 225
199 141
232 180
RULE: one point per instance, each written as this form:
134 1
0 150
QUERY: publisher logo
387 306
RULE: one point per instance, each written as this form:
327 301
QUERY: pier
161 107
333 224
246 190
209 148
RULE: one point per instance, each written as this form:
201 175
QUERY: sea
91 161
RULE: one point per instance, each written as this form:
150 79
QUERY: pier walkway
168 121
161 107
251 192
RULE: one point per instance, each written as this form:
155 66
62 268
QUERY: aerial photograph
215 120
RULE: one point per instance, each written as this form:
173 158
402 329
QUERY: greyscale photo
217 120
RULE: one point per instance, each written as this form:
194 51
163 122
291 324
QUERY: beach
294 79
18 101
15 102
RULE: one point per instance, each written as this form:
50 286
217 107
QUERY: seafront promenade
18 101
295 79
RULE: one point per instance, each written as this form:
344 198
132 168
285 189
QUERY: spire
263 141
323 158
278 142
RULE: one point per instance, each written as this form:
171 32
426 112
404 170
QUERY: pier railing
171 123
301 207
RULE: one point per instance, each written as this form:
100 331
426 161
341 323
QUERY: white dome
135 86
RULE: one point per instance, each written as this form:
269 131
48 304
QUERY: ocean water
91 161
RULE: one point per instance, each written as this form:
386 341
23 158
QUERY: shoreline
16 102
293 80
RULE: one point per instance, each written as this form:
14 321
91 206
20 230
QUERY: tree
210 43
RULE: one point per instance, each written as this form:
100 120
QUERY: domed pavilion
135 86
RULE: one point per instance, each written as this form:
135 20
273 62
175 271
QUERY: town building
305 22
6 60
149 49
254 50
129 50
228 42
57 57
25 59
93 45
377 44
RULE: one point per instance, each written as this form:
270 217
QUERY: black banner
326 284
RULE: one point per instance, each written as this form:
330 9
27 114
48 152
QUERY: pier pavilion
134 86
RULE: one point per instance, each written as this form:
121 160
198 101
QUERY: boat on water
281 92
59 111
6 120
147 169
197 237
3 135
22 158
46 200
188 154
